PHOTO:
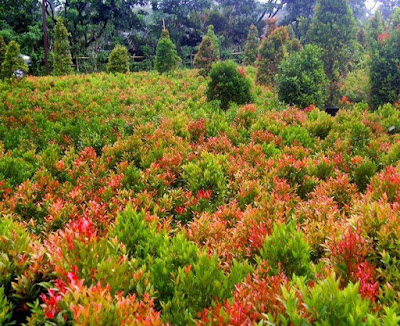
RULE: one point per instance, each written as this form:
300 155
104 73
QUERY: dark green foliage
119 60
12 61
286 248
62 60
272 51
385 72
167 57
252 45
15 170
228 85
301 78
333 29
206 56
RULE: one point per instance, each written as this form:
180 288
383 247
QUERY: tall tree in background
252 45
333 30
387 7
375 27
62 60
385 71
88 20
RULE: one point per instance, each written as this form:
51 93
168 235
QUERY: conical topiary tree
206 56
251 47
119 60
214 40
12 61
62 59
166 57
3 47
272 52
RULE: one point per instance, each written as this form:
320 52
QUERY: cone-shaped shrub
252 45
12 61
206 56
166 57
62 60
119 60
227 85
272 52
3 47
301 79
214 40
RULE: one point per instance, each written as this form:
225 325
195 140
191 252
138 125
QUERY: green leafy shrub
62 59
214 40
301 79
363 173
15 170
138 235
173 255
286 249
356 86
319 124
251 47
207 173
196 287
12 61
119 60
297 134
5 309
166 55
228 85
326 304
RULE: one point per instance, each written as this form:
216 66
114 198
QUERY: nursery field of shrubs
131 199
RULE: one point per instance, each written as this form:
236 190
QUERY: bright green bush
228 85
208 173
12 61
119 60
297 134
325 302
62 59
286 248
172 255
138 235
301 79
166 55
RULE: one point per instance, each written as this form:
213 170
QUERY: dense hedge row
131 200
